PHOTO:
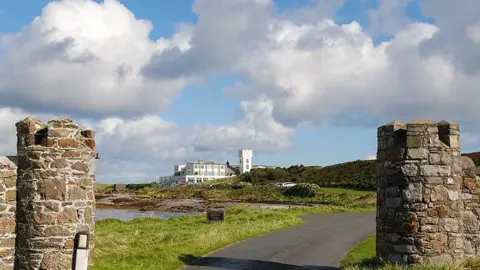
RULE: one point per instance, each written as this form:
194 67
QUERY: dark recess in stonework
400 138
41 136
443 132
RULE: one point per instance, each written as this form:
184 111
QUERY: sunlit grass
362 257
149 243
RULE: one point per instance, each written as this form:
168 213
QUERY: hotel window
246 161
247 167
202 167
196 166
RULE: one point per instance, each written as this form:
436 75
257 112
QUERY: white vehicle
288 184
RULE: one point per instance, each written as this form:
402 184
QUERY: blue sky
204 102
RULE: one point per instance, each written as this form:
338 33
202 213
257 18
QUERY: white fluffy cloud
318 70
94 60
224 30
85 58
314 72
152 138
149 143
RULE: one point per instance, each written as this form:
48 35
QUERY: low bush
303 190
240 185
141 186
222 186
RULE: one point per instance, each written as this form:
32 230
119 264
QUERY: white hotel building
197 172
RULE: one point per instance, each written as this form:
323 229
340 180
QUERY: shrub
241 185
225 185
303 190
141 186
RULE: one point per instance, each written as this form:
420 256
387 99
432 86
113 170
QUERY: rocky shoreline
143 203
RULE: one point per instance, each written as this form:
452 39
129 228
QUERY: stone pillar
471 214
56 175
419 190
8 177
390 183
441 228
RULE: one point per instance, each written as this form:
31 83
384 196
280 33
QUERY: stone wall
55 181
471 213
425 201
119 187
8 177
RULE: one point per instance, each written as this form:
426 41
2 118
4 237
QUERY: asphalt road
318 244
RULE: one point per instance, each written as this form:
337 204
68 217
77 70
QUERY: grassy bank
362 257
148 243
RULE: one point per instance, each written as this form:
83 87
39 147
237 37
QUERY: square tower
245 158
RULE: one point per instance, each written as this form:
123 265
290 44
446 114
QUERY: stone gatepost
56 174
471 214
390 183
419 205
8 177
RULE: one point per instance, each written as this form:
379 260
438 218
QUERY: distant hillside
359 174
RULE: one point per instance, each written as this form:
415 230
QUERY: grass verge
149 243
362 257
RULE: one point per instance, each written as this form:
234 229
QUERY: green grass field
362 257
149 243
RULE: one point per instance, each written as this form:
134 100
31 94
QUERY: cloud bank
96 63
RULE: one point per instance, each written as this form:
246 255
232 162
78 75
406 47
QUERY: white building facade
197 172
201 171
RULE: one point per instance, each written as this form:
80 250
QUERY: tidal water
127 214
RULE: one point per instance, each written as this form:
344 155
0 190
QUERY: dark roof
233 169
